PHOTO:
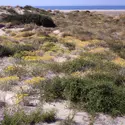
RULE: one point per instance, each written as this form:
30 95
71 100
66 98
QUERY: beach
106 12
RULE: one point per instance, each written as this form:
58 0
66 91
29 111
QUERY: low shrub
54 90
106 98
6 83
94 96
27 7
99 76
79 64
15 70
20 48
118 47
15 49
49 116
31 18
71 46
48 46
50 39
5 51
12 11
21 118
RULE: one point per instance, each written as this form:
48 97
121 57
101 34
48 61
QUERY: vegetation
4 51
31 18
79 64
93 95
21 117
81 61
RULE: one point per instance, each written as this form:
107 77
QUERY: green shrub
18 49
106 98
31 18
50 39
71 46
94 96
15 70
27 7
79 64
5 51
48 46
49 116
21 118
54 90
118 47
119 80
100 76
15 119
12 11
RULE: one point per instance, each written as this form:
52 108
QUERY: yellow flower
119 61
10 68
9 79
76 74
80 43
34 80
98 50
20 97
38 58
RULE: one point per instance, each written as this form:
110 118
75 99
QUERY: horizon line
60 5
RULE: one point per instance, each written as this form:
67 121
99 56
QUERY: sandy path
2 32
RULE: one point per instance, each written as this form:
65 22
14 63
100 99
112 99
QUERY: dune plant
30 18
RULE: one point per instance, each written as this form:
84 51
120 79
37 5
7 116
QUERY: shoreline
105 12
92 10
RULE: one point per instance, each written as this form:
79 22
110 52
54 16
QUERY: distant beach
82 7
106 12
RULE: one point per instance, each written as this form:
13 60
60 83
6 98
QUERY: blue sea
82 7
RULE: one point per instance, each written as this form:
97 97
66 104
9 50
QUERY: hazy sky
61 2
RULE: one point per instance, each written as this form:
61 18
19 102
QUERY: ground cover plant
30 18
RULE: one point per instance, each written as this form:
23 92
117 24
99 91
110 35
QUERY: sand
2 32
106 12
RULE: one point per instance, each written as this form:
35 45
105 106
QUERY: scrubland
56 57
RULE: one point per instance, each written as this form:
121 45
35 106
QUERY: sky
61 2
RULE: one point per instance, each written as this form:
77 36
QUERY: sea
81 7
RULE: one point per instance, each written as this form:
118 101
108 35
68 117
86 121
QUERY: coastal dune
68 73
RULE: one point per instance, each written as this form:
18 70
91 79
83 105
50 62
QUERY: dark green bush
28 7
71 46
49 116
15 50
106 98
118 47
94 96
79 64
12 11
119 80
18 48
31 18
99 76
4 51
54 90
